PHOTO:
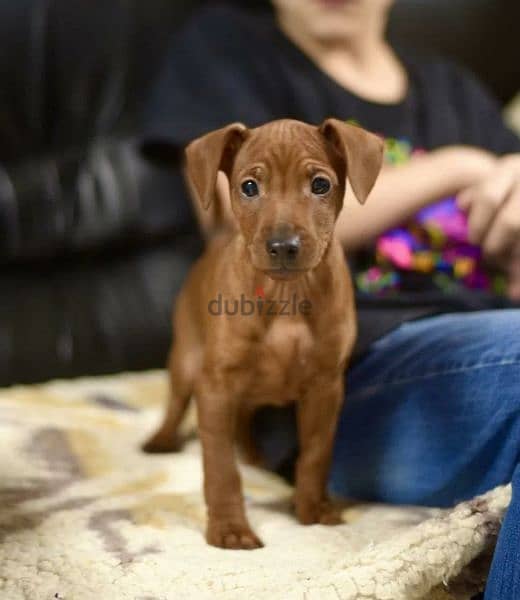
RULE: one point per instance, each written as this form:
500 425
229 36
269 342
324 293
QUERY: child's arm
403 190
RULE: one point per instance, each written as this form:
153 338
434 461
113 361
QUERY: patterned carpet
85 515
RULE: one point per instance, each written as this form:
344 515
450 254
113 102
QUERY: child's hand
493 208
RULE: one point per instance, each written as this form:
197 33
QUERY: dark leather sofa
94 242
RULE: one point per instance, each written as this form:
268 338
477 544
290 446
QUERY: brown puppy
267 314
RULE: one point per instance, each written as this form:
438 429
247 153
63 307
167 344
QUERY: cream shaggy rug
85 515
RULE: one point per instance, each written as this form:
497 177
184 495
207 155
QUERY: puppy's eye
320 186
250 188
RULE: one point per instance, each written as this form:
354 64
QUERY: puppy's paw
323 513
161 444
231 535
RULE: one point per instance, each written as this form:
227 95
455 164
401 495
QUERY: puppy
285 326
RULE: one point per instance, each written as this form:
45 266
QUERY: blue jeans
432 417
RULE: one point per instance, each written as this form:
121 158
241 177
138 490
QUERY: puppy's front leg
228 526
317 415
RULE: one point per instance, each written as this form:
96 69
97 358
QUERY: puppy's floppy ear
361 153
208 155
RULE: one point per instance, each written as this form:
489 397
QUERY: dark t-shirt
228 65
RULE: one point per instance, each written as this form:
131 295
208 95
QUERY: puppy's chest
282 361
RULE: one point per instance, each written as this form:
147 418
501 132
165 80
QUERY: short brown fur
233 364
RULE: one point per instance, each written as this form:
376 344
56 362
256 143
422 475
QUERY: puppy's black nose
283 249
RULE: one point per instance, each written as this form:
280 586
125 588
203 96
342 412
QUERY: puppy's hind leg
165 439
249 451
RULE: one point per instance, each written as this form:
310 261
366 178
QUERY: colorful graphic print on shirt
433 245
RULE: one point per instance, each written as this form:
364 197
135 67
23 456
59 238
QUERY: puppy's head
287 183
